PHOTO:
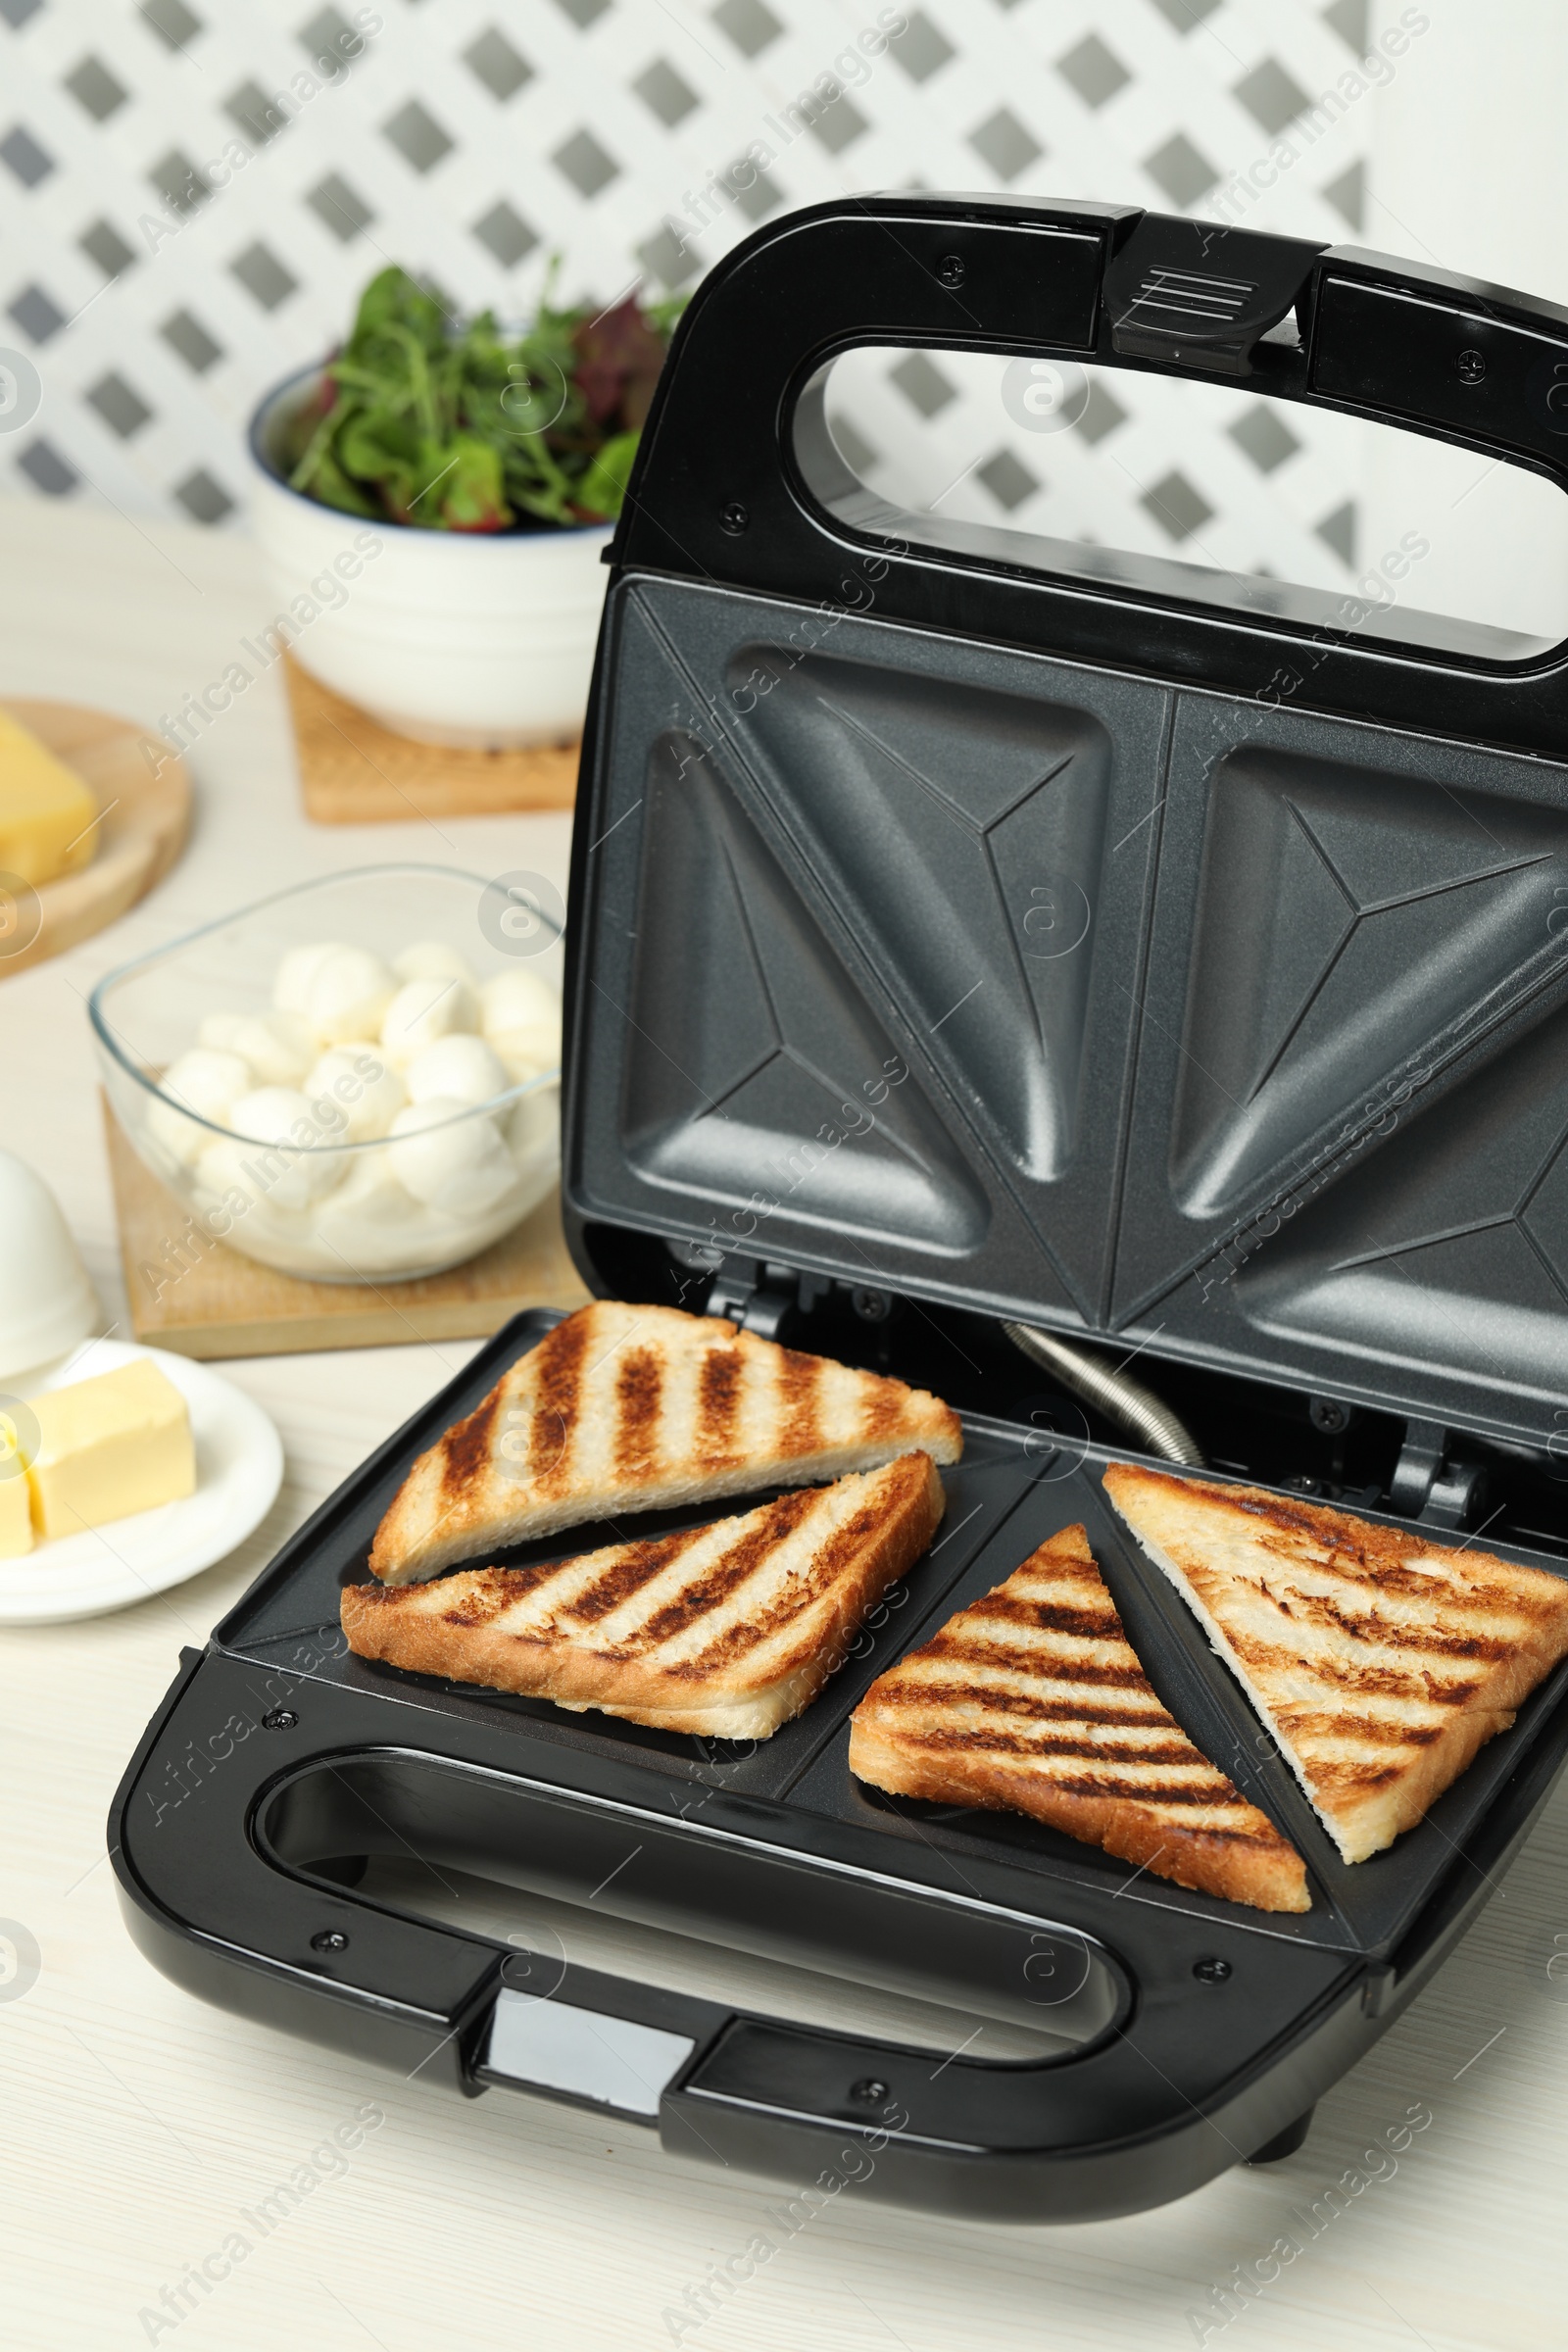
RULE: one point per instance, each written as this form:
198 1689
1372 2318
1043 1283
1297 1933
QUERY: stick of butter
46 812
16 1515
107 1447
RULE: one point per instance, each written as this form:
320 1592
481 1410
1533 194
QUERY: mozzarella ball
291 987
516 997
370 1190
202 1081
268 1114
370 1223
433 960
217 1029
244 1212
524 1060
348 995
460 1168
276 1045
533 1128
520 1016
463 1068
358 1082
207 1082
220 1174
424 1011
237 1174
294 1170
168 1140
223 1173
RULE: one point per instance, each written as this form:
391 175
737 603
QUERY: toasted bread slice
727 1630
1034 1698
635 1408
1380 1660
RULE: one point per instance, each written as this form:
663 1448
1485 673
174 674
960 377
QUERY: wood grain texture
355 772
143 794
217 1304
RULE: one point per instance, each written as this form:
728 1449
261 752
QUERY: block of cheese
16 1514
109 1447
46 812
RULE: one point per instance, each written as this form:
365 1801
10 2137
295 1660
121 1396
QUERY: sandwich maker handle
1336 326
231 1792
1110 2128
738 482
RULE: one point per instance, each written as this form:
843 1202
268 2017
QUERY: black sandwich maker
968 929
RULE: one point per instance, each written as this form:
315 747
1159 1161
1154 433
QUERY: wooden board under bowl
207 1301
354 771
143 794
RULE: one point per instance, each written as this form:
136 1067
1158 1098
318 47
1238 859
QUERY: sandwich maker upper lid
1083 938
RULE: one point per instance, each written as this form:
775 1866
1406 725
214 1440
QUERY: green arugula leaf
446 424
602 491
332 486
473 498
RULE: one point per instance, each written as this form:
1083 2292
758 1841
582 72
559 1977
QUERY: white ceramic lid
47 1304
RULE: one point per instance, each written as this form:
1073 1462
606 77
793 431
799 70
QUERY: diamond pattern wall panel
193 194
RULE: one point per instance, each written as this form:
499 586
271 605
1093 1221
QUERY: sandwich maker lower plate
1193 2032
980 929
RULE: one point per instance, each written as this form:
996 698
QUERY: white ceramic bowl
481 639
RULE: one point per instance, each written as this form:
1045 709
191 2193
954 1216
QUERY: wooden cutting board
143 794
354 771
205 1300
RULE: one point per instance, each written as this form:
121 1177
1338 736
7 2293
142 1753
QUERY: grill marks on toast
1048 1616
631 1407
558 1363
718 1406
798 1381
1380 1660
736 1566
1033 1698
467 1445
639 1396
633 1566
831 1562
884 1405
728 1629
1028 1705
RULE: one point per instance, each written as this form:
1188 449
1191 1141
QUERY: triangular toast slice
1380 1660
635 1408
1034 1698
727 1630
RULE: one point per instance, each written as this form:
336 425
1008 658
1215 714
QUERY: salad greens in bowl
452 426
432 504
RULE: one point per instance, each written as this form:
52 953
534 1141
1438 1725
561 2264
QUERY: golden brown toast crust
728 1629
630 1408
1380 1660
1033 1698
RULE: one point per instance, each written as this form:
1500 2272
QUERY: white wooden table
140 2129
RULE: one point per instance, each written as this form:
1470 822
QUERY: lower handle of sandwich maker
1208 2059
1088 2135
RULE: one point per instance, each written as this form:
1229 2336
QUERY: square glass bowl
308 1190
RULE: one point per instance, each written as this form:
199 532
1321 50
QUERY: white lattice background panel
192 192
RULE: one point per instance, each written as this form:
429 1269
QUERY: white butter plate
239 1468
